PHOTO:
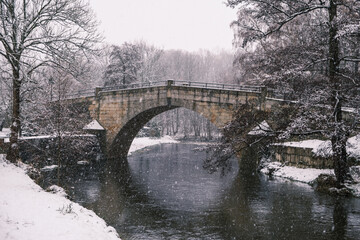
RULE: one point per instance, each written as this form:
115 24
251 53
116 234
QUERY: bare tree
201 66
35 33
151 69
47 112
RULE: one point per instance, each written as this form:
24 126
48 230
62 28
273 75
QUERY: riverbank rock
355 173
327 184
57 190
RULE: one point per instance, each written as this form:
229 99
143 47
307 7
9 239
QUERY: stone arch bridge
122 112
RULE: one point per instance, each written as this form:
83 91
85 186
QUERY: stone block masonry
300 157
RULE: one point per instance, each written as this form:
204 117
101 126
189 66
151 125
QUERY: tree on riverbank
34 34
310 50
58 124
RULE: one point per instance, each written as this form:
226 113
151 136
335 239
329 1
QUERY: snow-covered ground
305 175
27 212
143 142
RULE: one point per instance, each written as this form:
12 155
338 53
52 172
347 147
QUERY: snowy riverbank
143 142
307 175
28 212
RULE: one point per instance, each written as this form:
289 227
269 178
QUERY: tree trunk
173 124
357 55
177 122
59 124
13 154
185 124
340 134
208 126
58 156
341 167
124 76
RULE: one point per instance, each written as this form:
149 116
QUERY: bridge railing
247 88
283 94
93 92
81 93
133 86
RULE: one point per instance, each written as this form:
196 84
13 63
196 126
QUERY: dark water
165 194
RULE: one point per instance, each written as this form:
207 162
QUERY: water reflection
340 217
164 193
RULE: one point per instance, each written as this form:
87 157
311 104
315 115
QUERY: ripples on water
164 193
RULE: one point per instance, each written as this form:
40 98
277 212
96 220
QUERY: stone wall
299 157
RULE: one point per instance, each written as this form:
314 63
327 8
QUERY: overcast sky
170 24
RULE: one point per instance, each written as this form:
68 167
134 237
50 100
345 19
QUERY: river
164 193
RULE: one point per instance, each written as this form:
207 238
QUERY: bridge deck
218 86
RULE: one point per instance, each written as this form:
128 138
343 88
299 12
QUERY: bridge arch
123 139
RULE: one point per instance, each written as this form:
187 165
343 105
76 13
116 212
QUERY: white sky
171 24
